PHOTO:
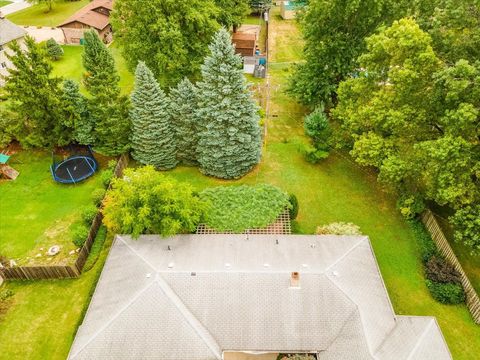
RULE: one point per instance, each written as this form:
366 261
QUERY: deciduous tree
145 201
170 36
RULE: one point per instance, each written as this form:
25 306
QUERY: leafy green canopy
232 12
145 201
109 110
229 142
238 208
171 36
415 119
152 138
334 32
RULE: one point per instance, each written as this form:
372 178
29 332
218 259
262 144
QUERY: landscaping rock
71 252
38 255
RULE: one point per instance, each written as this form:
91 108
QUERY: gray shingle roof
9 31
213 293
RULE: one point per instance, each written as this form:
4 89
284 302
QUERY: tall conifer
183 100
77 111
152 138
229 142
108 108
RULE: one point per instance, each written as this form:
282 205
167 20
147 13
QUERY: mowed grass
44 315
4 2
38 14
36 212
71 67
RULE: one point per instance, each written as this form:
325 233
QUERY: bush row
442 280
81 228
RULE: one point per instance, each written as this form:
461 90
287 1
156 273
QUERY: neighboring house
95 15
206 297
9 32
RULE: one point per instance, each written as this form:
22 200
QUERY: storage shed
244 43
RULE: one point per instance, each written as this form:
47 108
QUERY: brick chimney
295 279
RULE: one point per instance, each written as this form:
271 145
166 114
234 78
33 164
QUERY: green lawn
4 2
70 66
36 212
44 315
37 15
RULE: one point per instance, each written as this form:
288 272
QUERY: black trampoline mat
76 168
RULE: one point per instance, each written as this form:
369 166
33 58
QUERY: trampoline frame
89 160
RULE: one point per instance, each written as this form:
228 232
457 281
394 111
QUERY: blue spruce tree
152 136
229 143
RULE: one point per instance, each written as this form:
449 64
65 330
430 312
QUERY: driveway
16 5
44 33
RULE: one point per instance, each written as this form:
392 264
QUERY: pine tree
109 110
77 112
229 137
153 139
36 98
183 101
54 51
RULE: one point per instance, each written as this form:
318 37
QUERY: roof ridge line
420 338
109 322
345 254
197 326
137 253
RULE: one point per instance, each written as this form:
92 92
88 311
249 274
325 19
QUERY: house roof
244 40
9 31
215 293
88 16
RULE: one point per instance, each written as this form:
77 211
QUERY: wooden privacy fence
472 299
64 271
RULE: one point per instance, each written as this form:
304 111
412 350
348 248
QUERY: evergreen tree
35 98
183 100
54 51
153 139
109 110
229 136
77 112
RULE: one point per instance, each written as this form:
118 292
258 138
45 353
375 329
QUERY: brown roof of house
88 16
244 40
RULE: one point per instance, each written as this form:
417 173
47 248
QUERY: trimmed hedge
88 214
440 271
79 235
238 208
446 293
292 199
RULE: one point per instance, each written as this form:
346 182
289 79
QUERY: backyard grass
42 320
4 2
36 212
70 66
37 14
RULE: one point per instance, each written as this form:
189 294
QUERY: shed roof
88 16
215 293
244 40
9 31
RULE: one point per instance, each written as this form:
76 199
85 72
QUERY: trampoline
74 169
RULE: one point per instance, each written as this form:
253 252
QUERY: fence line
64 271
472 298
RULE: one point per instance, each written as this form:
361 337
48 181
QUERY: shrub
54 51
317 127
425 243
79 235
339 228
292 199
440 271
112 164
467 226
410 206
97 196
448 293
238 208
5 294
314 155
88 214
106 177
